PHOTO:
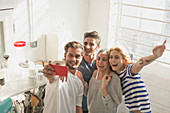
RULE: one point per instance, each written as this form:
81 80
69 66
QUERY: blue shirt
87 70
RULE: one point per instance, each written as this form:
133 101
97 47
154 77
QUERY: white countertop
13 88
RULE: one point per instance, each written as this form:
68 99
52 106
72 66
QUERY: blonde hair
123 52
74 45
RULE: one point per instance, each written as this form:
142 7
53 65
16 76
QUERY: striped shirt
134 91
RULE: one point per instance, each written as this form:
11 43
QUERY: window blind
140 25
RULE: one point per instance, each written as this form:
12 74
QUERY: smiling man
69 93
88 64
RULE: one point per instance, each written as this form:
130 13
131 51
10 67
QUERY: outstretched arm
157 52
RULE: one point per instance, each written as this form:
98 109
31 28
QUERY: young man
69 93
88 64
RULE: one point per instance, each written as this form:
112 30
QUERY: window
140 25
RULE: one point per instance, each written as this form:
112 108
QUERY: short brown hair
74 45
94 35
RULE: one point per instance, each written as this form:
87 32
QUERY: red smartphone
60 70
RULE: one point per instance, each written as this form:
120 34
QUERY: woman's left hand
105 81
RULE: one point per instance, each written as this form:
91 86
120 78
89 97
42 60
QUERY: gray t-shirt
87 70
95 101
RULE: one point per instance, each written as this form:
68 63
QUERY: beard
72 68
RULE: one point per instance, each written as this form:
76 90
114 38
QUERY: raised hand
158 50
105 81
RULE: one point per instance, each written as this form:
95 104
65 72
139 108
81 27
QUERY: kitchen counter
15 87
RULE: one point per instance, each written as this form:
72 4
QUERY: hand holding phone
60 70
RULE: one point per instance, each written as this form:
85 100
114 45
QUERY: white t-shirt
63 97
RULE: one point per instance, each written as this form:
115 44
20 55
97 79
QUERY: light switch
33 44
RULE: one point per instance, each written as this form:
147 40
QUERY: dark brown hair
94 35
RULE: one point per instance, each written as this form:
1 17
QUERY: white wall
68 19
69 15
98 19
16 28
156 77
73 18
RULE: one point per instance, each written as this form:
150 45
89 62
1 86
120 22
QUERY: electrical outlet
33 44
